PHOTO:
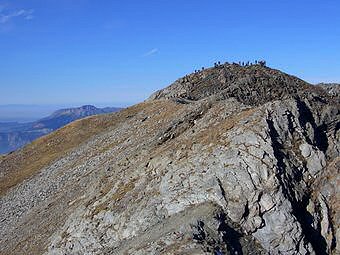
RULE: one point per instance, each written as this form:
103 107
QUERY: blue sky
118 52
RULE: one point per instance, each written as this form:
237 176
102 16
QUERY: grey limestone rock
202 167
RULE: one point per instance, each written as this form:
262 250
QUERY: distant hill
14 135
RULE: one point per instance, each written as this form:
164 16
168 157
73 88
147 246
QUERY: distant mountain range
14 135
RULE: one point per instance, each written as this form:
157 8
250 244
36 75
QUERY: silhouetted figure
202 68
262 63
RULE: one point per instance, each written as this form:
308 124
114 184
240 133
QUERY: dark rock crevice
224 237
290 185
306 116
229 235
222 189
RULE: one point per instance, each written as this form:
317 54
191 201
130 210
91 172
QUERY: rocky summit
228 160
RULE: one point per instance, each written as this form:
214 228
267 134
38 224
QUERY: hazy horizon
23 113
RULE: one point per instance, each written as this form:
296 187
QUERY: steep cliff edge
230 160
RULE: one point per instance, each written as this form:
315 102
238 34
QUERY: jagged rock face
213 175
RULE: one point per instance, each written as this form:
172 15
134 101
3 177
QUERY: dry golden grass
24 163
122 190
205 136
215 132
99 208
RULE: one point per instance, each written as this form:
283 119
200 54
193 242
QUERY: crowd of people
248 63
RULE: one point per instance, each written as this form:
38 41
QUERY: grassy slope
24 163
41 222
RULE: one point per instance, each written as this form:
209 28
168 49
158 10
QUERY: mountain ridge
212 172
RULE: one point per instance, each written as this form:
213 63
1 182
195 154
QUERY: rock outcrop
333 89
230 160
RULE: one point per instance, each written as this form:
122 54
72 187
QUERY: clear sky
118 52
